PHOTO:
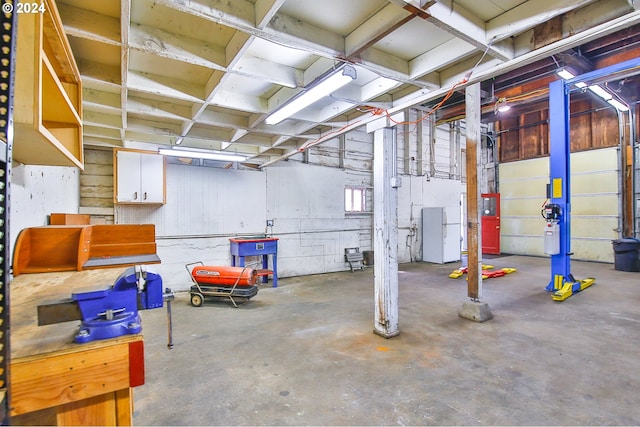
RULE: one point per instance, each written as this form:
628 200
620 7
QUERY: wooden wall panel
580 132
531 137
592 125
605 131
509 144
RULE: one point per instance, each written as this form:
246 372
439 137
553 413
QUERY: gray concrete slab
305 354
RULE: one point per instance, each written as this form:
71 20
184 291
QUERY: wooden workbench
54 381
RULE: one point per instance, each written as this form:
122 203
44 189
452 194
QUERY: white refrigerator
440 235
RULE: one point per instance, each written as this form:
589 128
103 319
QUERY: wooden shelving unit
48 108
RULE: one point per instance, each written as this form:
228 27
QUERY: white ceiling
206 73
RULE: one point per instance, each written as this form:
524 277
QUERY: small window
354 199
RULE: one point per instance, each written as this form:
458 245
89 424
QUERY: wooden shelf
79 247
48 110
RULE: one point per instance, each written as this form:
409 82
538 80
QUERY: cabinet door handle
135 195
145 195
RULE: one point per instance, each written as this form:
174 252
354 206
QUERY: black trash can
627 254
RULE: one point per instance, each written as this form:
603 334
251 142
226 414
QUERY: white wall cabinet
139 177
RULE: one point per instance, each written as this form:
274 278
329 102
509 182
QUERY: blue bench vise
111 312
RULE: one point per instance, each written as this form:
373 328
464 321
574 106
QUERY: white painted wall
38 191
207 206
306 203
303 196
417 193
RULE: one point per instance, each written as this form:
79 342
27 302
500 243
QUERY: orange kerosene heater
221 281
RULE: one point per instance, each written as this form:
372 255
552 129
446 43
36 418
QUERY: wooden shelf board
33 148
49 268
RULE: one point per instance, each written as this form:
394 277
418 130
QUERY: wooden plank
58 379
122 249
84 247
69 219
44 417
547 32
124 407
123 233
94 411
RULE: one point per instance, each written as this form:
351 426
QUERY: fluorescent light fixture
565 74
318 89
600 92
202 154
619 105
568 75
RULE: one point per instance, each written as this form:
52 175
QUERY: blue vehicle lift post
562 282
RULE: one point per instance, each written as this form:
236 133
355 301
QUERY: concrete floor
305 354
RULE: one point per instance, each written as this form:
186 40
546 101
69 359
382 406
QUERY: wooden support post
474 310
385 218
473 192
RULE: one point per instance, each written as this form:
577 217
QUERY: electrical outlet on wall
269 223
